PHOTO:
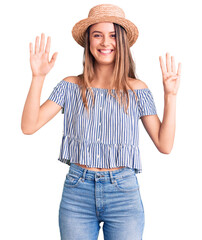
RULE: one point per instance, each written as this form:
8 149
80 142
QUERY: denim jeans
91 197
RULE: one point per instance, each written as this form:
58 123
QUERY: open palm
171 78
39 60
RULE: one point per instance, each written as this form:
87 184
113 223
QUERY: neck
103 75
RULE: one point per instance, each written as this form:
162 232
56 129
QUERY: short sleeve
146 104
58 93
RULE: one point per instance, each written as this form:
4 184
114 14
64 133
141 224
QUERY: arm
163 133
35 116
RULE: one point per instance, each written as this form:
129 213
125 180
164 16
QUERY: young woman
101 108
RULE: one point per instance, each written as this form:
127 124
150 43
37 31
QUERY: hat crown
106 10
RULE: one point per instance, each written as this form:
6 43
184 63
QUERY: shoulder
137 83
73 79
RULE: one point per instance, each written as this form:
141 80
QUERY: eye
113 35
97 35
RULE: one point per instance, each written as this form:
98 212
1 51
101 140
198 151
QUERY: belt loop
111 177
84 174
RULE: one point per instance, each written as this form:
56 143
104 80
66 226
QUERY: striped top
108 138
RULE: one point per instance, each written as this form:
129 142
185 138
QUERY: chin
106 62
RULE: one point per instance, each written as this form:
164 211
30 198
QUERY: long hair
124 68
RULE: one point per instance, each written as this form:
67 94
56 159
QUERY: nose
105 41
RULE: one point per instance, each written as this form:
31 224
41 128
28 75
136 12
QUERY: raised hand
39 60
171 79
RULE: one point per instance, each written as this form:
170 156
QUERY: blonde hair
124 68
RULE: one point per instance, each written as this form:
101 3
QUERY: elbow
27 131
165 150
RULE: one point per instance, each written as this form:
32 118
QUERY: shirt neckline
105 89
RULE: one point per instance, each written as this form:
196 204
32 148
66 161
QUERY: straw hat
105 13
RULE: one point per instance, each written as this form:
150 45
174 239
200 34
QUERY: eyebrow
101 32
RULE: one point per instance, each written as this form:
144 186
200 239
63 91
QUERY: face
103 42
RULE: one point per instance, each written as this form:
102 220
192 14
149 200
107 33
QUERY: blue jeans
91 197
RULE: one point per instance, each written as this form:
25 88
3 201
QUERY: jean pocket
127 183
72 180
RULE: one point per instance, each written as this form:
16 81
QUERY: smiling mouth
105 52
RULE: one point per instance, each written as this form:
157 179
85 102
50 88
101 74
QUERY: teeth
105 51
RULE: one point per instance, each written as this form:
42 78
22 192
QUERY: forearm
167 128
32 105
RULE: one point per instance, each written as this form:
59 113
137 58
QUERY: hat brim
79 29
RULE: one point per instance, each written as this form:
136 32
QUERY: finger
53 59
47 50
168 62
42 42
37 44
173 65
178 82
31 49
179 69
163 68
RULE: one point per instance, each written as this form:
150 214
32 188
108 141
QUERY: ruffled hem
99 155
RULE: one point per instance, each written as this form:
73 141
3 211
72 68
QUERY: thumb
53 59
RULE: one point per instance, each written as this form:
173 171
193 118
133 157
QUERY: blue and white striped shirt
108 138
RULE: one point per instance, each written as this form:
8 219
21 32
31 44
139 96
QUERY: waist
90 174
98 169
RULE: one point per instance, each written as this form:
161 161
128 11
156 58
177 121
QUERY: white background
31 177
